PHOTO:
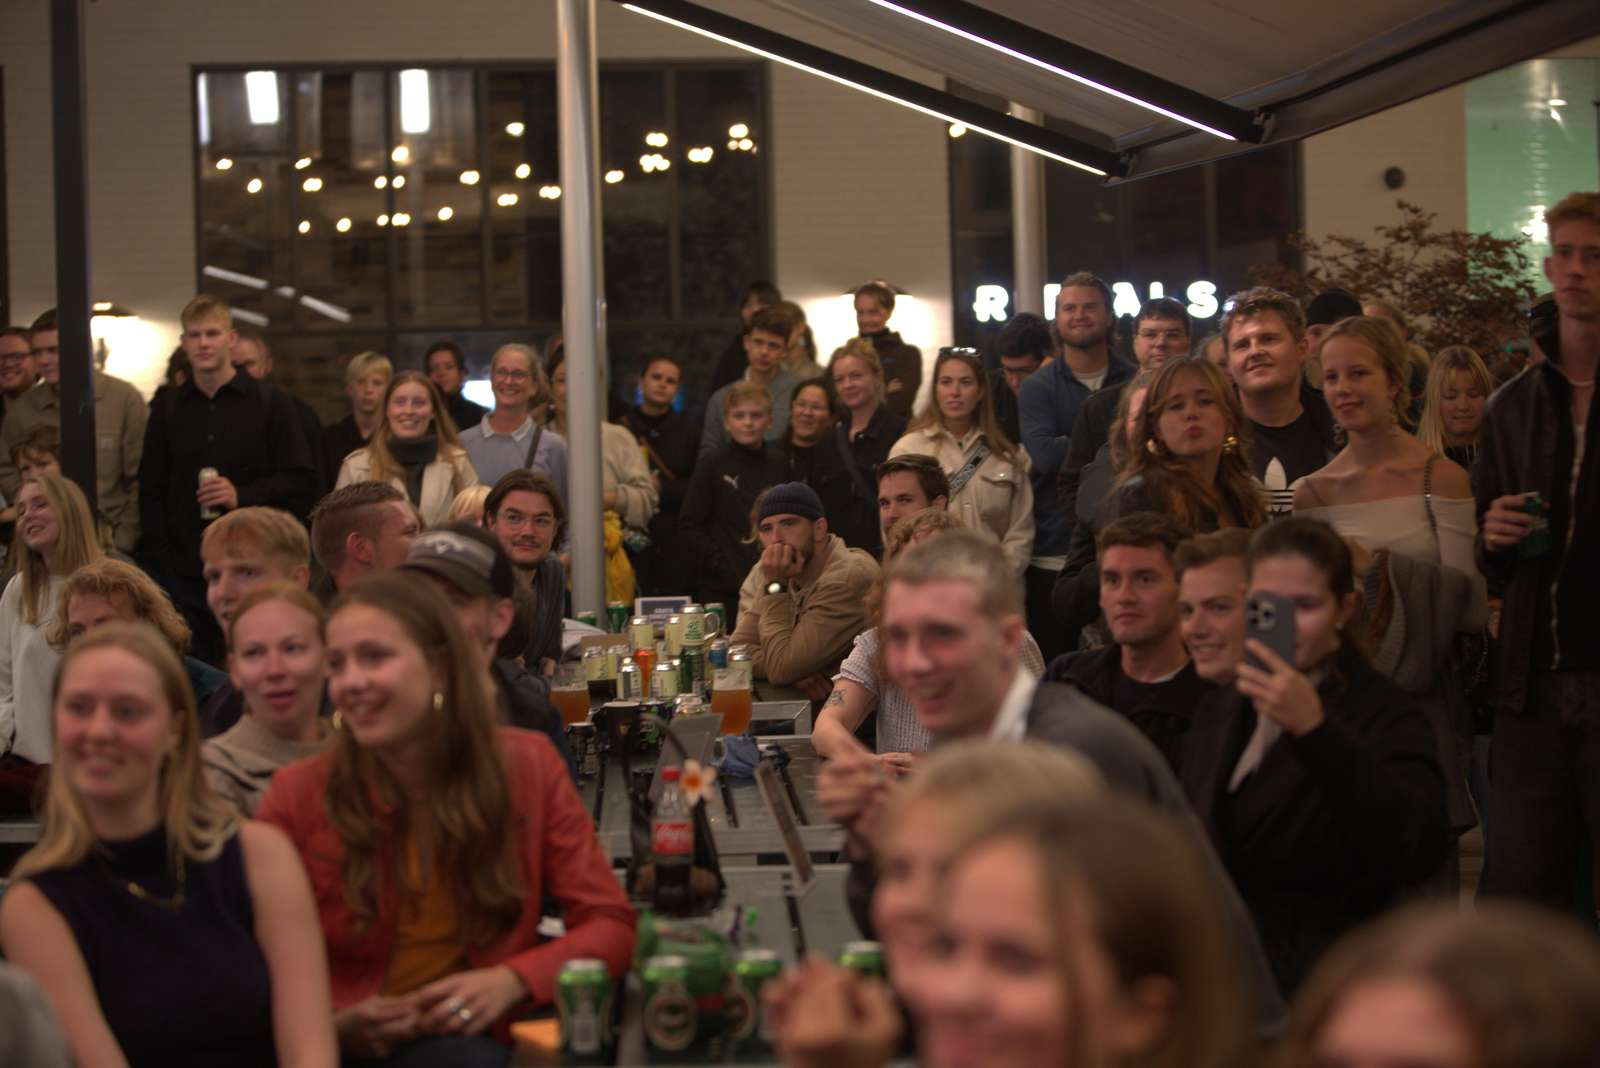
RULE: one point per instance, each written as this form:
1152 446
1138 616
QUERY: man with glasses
525 511
510 438
1160 333
17 375
1050 402
119 423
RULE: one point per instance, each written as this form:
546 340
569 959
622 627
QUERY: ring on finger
454 1006
465 1014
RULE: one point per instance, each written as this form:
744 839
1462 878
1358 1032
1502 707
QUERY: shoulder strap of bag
533 445
841 436
1427 499
959 480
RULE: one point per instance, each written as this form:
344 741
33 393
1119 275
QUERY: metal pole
72 245
583 294
1027 222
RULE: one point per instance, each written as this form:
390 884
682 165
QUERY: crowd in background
1158 679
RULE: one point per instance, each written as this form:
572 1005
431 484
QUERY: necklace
173 903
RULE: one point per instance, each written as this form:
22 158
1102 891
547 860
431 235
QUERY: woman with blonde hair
415 449
988 474
468 504
55 536
1188 462
1417 362
110 590
278 660
433 837
1459 385
162 929
1504 985
860 441
1112 459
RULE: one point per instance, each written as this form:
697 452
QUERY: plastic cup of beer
730 696
569 692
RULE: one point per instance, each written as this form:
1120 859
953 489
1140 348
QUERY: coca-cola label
672 837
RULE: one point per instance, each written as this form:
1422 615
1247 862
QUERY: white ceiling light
469 177
416 104
261 96
523 171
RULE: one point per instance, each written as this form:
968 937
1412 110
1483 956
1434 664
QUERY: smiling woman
414 449
162 929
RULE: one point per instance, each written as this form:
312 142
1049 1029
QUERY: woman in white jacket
414 449
55 537
989 488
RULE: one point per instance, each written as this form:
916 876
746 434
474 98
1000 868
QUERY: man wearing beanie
1292 433
1325 309
812 594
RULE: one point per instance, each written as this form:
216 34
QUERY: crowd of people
1157 680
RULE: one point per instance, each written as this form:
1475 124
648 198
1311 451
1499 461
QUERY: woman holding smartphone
1315 777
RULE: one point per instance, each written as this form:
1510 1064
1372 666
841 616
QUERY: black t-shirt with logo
1281 454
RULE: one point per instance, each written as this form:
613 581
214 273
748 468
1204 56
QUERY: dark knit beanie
790 498
1330 306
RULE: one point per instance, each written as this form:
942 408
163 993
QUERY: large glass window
386 208
1202 227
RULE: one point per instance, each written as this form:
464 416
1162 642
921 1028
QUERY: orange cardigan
561 858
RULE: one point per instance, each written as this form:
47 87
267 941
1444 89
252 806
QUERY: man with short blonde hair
366 378
243 434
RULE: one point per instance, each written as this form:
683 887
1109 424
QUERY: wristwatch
774 587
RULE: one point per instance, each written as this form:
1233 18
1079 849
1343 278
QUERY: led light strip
1006 50
880 94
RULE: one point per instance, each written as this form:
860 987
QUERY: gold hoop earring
337 719
1151 447
1230 444
438 701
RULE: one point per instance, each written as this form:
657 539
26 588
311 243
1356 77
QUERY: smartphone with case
1269 619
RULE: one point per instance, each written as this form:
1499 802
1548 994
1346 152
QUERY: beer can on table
750 1031
674 635
716 620
694 623
694 667
630 681
617 616
864 958
589 618
209 511
717 653
670 1016
583 999
664 681
642 633
601 679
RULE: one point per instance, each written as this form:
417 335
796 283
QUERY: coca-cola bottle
672 847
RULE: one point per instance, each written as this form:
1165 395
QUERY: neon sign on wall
991 302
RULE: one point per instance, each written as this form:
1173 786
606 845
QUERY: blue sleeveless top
184 985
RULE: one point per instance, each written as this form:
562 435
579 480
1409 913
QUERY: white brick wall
860 186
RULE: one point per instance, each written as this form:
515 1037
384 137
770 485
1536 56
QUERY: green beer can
617 617
589 618
694 667
670 1016
583 999
864 958
748 1027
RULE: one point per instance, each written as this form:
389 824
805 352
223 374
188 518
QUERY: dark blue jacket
1048 402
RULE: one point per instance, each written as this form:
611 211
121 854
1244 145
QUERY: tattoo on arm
835 698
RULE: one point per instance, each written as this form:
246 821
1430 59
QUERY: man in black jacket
1542 558
951 632
1145 673
252 355
447 368
246 431
731 364
901 362
475 575
671 440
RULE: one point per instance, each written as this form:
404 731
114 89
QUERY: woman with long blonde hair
1188 462
432 836
1459 385
415 449
162 929
55 536
988 473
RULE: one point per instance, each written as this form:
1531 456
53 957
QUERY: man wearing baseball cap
812 594
470 568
